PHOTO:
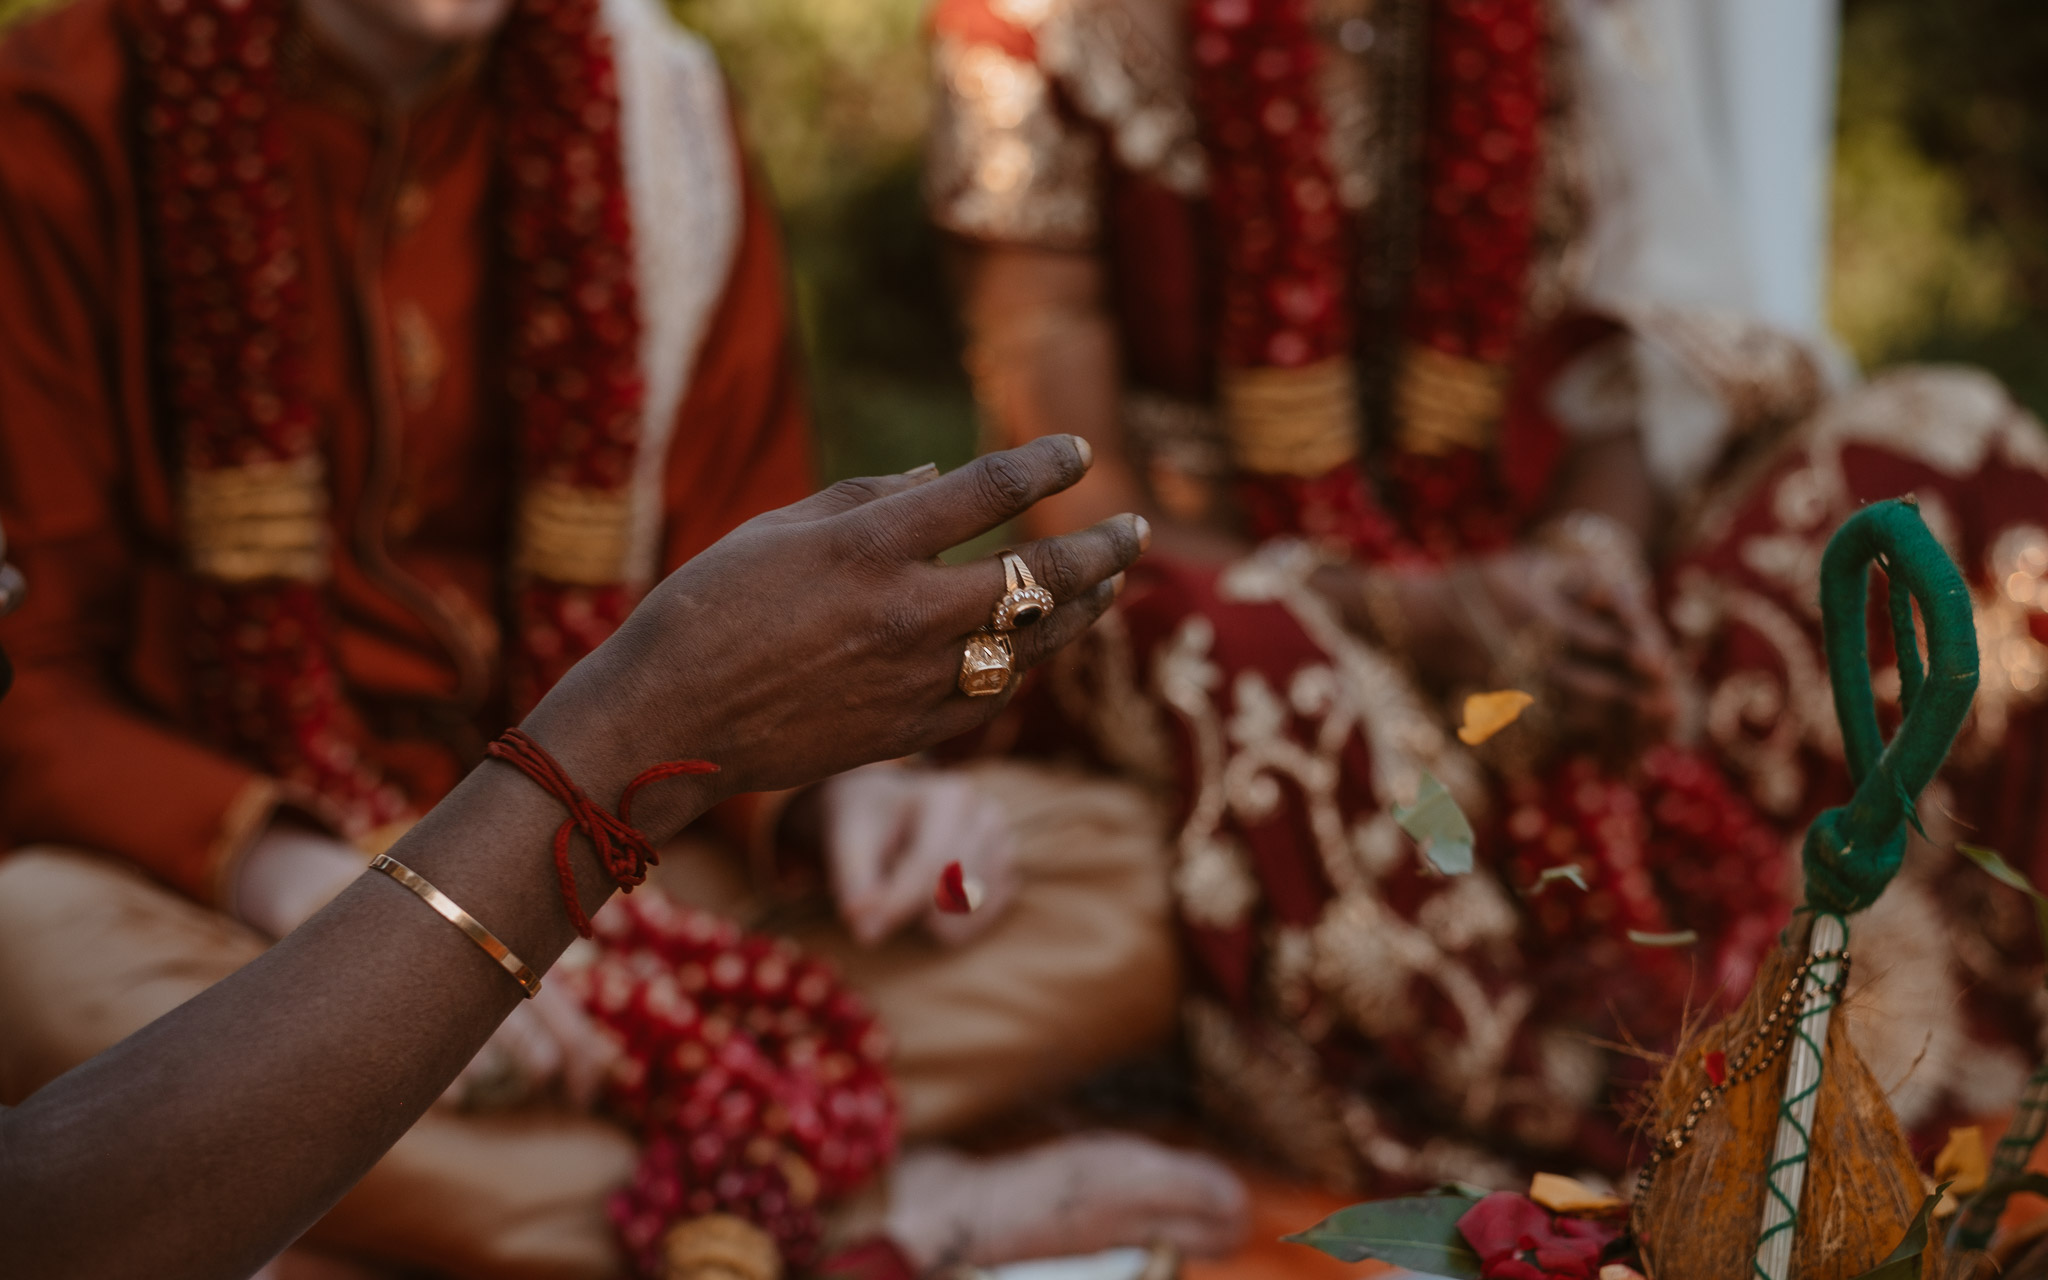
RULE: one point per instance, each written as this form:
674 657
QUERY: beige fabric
1079 972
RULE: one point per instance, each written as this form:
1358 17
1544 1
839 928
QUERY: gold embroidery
1447 402
1002 163
419 357
1295 422
1124 65
1268 1086
572 535
2015 663
1214 883
263 520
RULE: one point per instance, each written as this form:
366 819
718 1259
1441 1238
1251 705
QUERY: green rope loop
1853 851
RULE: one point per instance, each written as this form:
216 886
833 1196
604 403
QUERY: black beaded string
1741 1069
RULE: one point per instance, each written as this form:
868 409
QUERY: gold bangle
461 919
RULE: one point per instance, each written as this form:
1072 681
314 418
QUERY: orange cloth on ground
97 747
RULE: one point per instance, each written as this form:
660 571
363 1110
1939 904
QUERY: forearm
273 1091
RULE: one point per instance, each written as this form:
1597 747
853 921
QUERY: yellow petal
1565 1195
1488 713
1962 1162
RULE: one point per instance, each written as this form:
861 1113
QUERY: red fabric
105 703
622 849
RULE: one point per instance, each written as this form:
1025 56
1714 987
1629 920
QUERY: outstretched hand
827 634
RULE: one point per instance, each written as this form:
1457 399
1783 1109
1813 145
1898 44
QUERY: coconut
1701 1212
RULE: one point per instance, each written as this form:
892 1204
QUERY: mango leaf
1436 823
2005 873
1418 1232
1683 938
1903 1263
1570 873
1488 713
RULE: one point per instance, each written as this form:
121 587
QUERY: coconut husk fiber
1700 1218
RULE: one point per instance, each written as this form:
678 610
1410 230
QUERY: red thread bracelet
622 849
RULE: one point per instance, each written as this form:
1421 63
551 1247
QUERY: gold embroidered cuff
575 536
264 520
1446 402
455 915
1292 422
1002 164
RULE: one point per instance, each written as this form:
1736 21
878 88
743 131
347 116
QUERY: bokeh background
1940 201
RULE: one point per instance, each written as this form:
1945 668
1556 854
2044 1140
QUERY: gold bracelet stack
461 919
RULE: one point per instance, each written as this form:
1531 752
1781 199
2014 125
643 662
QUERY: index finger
962 505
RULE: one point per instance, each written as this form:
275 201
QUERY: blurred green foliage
833 95
1941 187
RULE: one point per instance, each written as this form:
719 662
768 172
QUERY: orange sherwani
98 747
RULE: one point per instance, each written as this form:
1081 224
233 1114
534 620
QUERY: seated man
200 1145
361 363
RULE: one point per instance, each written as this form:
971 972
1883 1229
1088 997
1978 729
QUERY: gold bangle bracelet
461 919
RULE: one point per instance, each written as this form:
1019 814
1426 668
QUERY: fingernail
925 472
1086 450
1144 532
1116 586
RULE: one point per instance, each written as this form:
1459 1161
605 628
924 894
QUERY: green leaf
1436 823
1683 938
1418 1232
1570 873
1903 1263
2005 873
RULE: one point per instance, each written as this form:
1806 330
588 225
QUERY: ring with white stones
986 665
1024 601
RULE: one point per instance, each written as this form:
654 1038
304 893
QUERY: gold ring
1024 601
986 665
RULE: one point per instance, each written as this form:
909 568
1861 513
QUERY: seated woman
1421 332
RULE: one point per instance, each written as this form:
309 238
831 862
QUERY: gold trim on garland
1446 402
573 535
1296 422
266 520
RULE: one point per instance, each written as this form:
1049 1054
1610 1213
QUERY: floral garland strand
222 225
231 301
756 1080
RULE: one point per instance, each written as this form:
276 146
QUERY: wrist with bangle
624 851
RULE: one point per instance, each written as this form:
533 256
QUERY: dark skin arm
808 641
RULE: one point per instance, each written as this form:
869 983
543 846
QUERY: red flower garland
231 303
758 1080
1287 249
1286 256
1666 847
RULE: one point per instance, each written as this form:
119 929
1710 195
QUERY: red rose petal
957 892
1717 1068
